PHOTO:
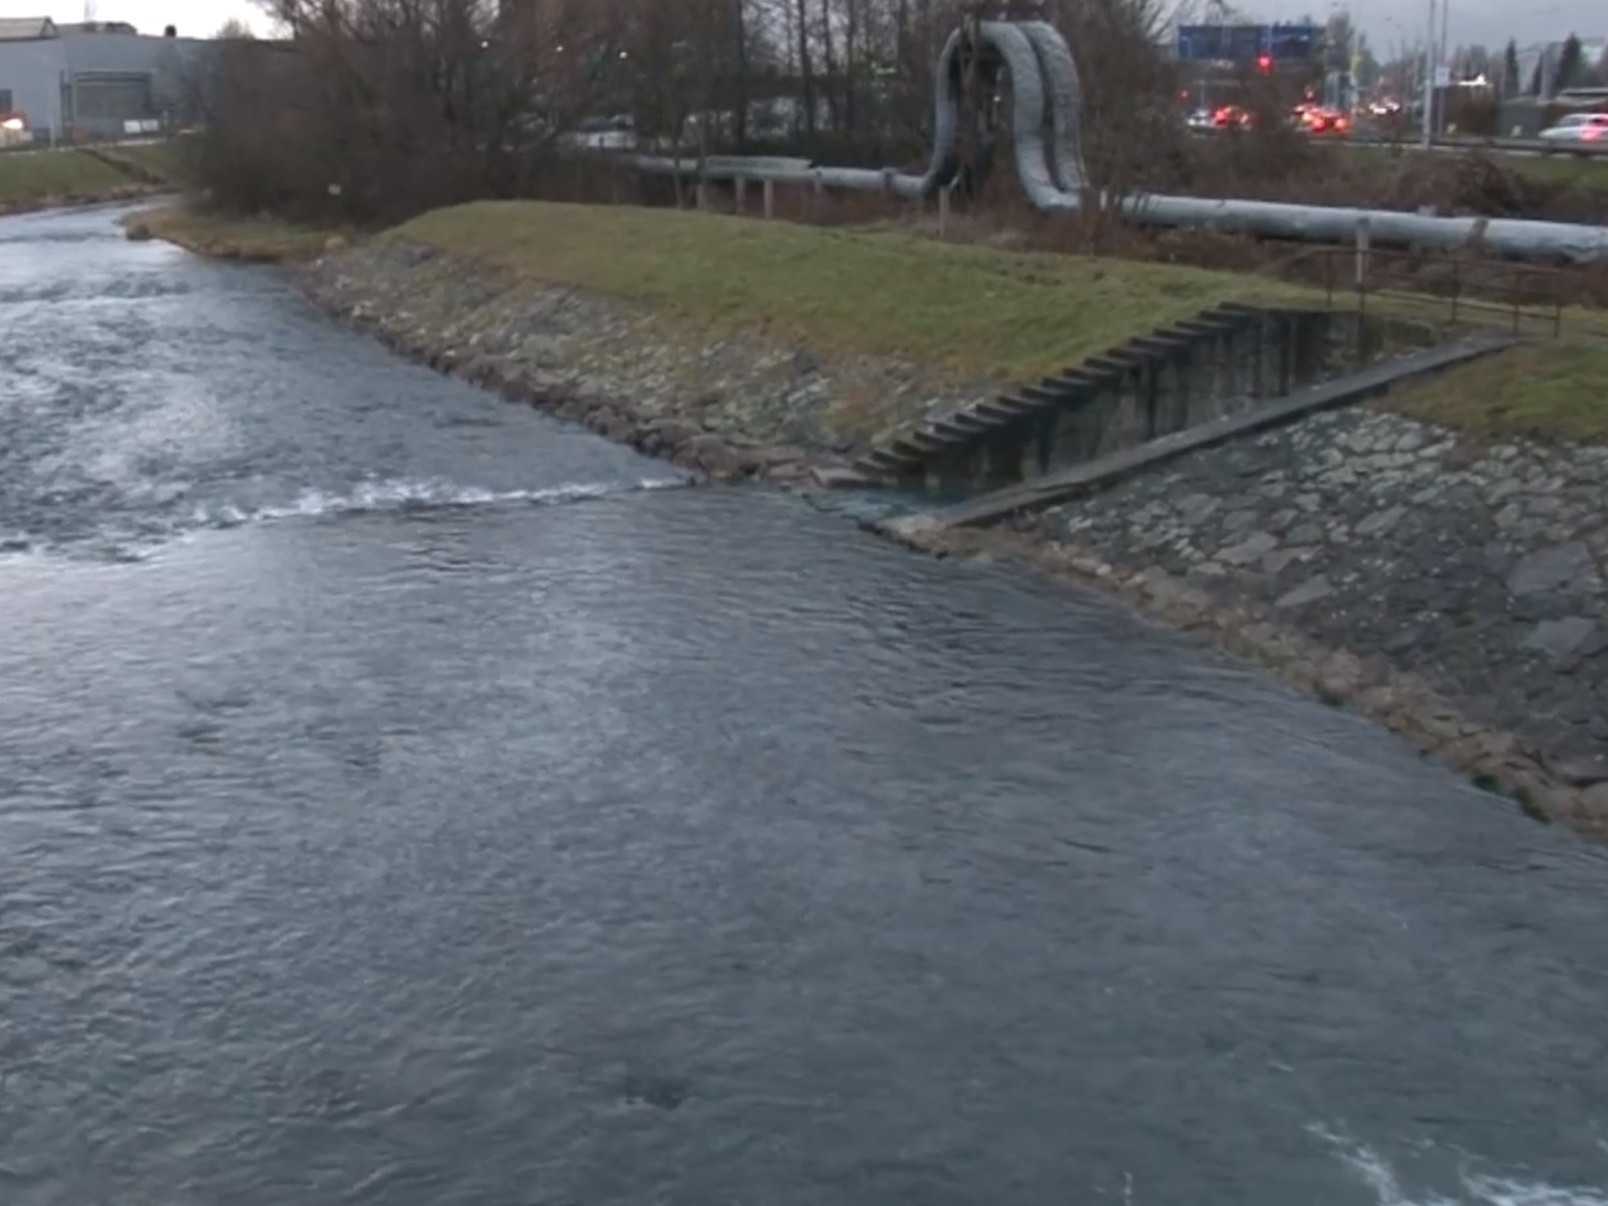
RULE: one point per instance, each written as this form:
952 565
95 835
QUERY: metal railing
1467 288
1411 142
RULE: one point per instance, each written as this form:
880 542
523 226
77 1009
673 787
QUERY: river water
401 801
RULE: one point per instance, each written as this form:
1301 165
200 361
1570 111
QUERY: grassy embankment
974 310
165 163
36 179
968 310
1547 390
1562 169
1588 173
261 240
39 179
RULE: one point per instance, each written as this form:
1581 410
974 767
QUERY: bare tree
806 76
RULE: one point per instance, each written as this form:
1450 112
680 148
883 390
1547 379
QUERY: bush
379 109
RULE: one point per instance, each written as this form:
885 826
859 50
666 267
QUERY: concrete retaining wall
1159 386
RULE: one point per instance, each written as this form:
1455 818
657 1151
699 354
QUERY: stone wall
1455 590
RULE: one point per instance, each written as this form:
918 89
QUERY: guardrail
1512 294
1501 146
1530 146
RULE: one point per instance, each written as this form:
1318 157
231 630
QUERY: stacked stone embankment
1454 589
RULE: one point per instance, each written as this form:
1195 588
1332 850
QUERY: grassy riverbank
965 312
1551 390
169 162
972 311
36 179
256 240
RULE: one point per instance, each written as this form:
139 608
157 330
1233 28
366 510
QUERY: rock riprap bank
1452 588
733 404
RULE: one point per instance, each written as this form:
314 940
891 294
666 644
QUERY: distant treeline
372 110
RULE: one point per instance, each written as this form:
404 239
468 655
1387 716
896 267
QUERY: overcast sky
1491 22
1387 22
194 18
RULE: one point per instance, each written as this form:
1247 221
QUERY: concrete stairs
1150 386
1101 472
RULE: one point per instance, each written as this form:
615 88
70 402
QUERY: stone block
1311 591
1252 548
1563 566
1560 639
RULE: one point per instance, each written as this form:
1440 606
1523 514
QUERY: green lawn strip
973 311
1552 390
167 161
28 177
260 240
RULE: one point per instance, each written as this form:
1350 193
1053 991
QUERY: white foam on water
1504 1191
1473 1189
409 494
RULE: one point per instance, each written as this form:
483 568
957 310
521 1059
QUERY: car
1231 117
14 129
1577 129
1320 120
1200 119
616 133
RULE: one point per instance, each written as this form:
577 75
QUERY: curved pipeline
945 125
1048 99
1065 95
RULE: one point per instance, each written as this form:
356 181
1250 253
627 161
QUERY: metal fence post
943 211
770 199
741 190
1364 240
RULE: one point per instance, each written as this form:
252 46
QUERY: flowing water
401 802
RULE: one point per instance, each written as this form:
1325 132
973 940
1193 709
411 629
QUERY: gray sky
1492 22
1387 22
194 18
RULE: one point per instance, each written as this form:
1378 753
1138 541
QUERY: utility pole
1446 57
1429 82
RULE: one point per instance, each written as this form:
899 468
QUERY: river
406 798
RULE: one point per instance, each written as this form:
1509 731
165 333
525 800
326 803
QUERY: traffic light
1264 64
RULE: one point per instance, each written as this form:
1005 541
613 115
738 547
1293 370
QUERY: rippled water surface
399 803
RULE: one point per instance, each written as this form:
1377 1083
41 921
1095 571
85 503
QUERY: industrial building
80 83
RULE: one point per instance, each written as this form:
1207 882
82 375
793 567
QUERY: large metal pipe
1048 101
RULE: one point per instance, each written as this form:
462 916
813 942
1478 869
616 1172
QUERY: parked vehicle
1200 119
1577 129
616 133
1320 120
14 129
1232 117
